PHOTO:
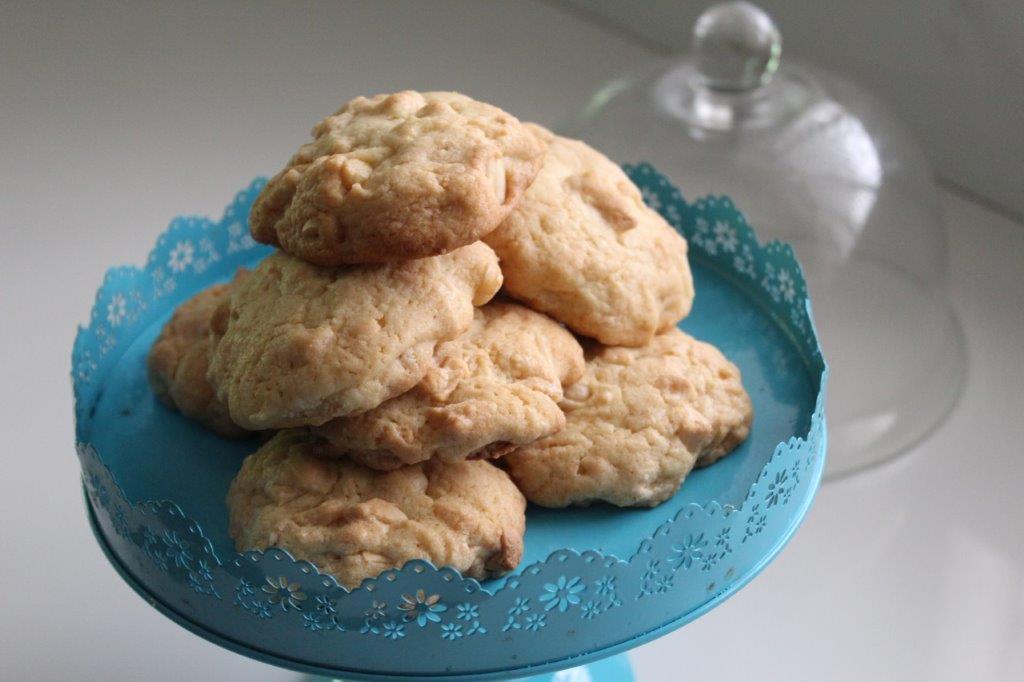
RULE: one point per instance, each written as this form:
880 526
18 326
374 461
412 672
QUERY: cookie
725 404
354 522
582 246
494 388
399 176
300 345
635 425
179 358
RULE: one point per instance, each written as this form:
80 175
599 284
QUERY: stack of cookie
373 345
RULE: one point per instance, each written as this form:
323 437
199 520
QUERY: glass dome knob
736 47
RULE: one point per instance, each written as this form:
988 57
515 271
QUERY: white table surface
115 119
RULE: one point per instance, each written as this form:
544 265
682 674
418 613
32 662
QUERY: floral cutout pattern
421 608
520 606
323 617
281 592
692 549
247 598
562 593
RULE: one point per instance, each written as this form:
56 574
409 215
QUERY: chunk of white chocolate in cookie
300 345
493 388
399 176
636 424
582 247
354 522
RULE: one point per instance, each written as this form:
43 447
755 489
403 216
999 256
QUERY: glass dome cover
816 162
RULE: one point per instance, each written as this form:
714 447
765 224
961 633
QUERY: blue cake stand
593 582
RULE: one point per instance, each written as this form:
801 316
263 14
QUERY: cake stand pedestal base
612 669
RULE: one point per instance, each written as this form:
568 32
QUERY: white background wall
953 70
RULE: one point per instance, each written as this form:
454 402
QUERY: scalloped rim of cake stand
498 674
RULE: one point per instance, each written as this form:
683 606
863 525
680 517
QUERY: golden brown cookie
724 403
582 246
354 522
494 388
302 345
397 176
179 358
635 425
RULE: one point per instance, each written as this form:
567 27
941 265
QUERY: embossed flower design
209 255
535 621
197 583
451 631
725 235
769 282
796 314
181 256
722 540
117 309
310 621
590 609
476 629
393 630
776 489
664 583
756 522
744 262
204 571
651 198
376 611
421 608
201 579
176 551
605 585
467 611
325 605
786 285
520 606
672 214
286 594
511 624
562 593
691 550
703 230
239 238
245 589
262 610
165 284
